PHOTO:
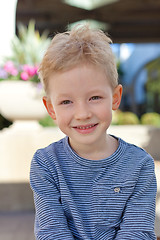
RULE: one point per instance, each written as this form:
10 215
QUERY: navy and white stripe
82 199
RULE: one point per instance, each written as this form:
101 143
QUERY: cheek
62 118
104 112
107 116
61 124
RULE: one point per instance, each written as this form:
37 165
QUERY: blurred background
27 27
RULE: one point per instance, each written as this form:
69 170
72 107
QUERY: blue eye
95 97
66 102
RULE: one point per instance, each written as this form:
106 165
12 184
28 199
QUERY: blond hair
80 45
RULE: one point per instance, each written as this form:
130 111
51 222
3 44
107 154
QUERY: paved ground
17 226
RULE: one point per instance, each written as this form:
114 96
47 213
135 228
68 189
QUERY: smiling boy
81 102
89 185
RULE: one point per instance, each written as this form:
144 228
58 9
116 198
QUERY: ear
48 105
117 95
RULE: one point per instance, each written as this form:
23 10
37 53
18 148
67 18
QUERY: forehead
79 77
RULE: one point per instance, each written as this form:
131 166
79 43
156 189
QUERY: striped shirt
81 199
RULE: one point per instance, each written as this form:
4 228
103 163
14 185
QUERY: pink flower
14 72
31 70
36 69
24 76
23 72
10 68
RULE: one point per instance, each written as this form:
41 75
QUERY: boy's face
81 101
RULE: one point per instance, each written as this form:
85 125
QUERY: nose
82 111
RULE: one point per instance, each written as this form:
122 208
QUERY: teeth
85 127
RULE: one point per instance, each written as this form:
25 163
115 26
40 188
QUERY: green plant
47 122
28 47
27 51
124 118
11 71
151 118
153 82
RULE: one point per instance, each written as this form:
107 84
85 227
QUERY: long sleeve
139 215
80 199
50 221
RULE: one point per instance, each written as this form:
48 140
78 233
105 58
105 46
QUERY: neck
96 151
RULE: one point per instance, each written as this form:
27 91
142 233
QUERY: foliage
153 86
47 122
153 83
124 118
11 71
151 118
129 118
29 46
119 69
27 52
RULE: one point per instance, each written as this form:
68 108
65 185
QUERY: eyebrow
96 91
63 95
90 92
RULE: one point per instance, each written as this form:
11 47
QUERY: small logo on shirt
117 189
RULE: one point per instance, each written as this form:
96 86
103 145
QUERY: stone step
17 225
16 197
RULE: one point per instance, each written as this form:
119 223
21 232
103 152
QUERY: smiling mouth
86 126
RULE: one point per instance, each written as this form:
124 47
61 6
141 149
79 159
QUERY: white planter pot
21 101
147 137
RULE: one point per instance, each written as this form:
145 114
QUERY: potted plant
144 132
20 88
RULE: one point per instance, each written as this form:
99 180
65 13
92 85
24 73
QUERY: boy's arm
50 221
139 215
